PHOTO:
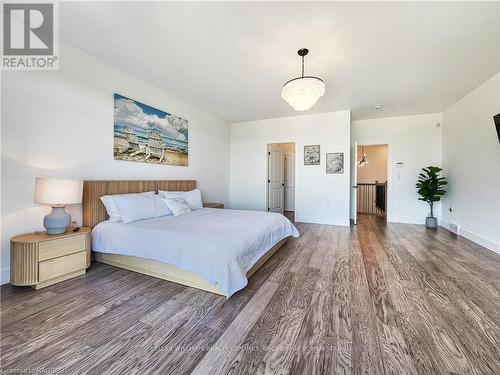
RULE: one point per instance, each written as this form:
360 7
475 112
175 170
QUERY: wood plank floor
376 298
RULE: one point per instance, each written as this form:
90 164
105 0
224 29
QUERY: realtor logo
29 36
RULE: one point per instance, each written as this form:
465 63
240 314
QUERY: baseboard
5 275
321 220
444 224
484 242
406 220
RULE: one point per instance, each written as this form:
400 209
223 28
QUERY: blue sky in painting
148 110
143 118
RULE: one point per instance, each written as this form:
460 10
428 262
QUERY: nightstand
213 205
40 260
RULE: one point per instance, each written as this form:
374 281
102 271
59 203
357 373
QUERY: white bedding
218 244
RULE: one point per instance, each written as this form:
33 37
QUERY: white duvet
220 245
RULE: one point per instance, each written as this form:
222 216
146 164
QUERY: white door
355 182
275 181
289 167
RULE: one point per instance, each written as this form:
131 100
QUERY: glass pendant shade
303 92
363 161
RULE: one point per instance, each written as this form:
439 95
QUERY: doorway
281 179
371 180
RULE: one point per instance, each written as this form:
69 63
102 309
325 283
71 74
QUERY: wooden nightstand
40 260
213 205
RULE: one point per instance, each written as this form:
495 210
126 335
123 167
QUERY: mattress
219 244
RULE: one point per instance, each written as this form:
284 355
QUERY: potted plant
430 187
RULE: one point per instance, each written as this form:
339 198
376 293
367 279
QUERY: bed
210 249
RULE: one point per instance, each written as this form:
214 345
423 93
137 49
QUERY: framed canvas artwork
149 135
335 162
311 155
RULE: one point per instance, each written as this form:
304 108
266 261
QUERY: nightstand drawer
52 268
61 246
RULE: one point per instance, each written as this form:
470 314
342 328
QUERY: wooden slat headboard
93 209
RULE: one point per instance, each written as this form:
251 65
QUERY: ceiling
231 59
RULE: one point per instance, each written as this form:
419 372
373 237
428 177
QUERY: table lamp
57 192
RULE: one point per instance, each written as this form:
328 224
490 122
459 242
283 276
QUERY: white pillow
178 206
193 197
112 208
141 207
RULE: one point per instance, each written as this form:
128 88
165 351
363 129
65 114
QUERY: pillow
193 197
141 207
112 208
178 206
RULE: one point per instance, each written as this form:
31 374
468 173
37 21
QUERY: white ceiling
232 59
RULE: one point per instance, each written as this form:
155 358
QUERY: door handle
355 187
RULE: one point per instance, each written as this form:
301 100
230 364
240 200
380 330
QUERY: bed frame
94 212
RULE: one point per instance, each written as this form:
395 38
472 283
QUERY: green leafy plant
430 186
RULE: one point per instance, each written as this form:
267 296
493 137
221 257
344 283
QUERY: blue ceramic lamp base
57 221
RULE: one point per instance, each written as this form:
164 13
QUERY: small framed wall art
335 162
311 155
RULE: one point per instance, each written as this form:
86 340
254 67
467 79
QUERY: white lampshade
302 93
57 191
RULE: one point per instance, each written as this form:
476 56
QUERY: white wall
416 142
60 123
319 197
471 159
376 169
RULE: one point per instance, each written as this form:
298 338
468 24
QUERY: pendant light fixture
304 91
363 161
